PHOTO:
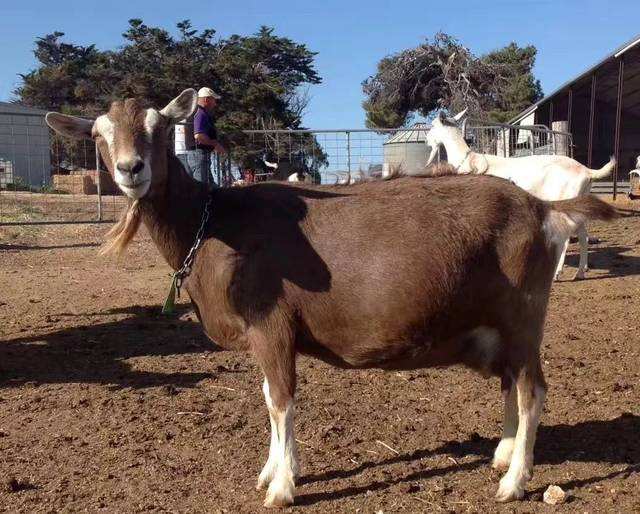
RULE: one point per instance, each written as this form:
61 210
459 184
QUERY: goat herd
457 271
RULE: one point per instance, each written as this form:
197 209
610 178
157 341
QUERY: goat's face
442 131
132 139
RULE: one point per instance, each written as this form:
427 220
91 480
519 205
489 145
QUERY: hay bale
74 184
107 185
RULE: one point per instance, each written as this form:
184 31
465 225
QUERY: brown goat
456 271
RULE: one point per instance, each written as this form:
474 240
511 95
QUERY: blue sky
350 37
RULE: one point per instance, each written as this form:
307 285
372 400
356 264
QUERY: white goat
300 177
549 177
344 178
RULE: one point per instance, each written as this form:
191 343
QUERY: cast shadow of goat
599 441
97 352
263 225
610 258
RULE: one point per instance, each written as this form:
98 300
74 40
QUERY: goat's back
379 271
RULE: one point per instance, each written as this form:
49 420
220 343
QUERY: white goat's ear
442 116
71 126
460 115
181 107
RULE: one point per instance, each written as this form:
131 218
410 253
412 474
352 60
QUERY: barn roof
610 84
17 108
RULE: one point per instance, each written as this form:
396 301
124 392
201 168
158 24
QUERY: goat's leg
502 455
563 252
279 473
531 390
583 237
269 469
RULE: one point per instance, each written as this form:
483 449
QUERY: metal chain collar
185 270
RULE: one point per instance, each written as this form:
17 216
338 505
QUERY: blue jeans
182 157
199 165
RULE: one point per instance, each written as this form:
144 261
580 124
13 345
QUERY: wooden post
591 119
561 144
569 109
618 126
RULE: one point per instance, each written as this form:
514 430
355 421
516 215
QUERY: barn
601 108
25 158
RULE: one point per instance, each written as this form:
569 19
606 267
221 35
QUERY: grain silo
407 148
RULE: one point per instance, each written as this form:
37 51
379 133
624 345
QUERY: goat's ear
181 107
460 115
442 116
71 126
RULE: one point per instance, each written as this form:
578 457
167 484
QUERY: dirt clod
554 495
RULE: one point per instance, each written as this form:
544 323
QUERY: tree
261 77
518 87
443 74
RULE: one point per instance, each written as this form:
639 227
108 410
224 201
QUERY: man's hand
205 140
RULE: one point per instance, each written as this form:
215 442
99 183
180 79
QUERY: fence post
504 142
98 183
349 151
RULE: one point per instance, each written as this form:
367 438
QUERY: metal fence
346 155
48 178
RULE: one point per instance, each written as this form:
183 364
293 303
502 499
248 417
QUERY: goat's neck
173 215
457 151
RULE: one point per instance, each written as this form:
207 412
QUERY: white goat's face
131 139
437 133
441 131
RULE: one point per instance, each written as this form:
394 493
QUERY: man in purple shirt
205 137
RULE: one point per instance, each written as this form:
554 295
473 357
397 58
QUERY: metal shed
601 108
25 157
407 148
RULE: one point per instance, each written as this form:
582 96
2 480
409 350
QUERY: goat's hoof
580 275
279 494
509 491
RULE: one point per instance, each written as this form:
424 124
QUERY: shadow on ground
611 259
15 247
602 441
97 352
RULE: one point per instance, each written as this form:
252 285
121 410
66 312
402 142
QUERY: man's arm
205 140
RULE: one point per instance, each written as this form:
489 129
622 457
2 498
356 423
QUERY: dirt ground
107 406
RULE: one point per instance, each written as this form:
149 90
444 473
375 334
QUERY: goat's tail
605 171
566 216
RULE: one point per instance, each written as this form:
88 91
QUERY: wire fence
45 178
339 156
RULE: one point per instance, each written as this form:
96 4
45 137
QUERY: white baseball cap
205 92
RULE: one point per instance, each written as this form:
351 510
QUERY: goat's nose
132 166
